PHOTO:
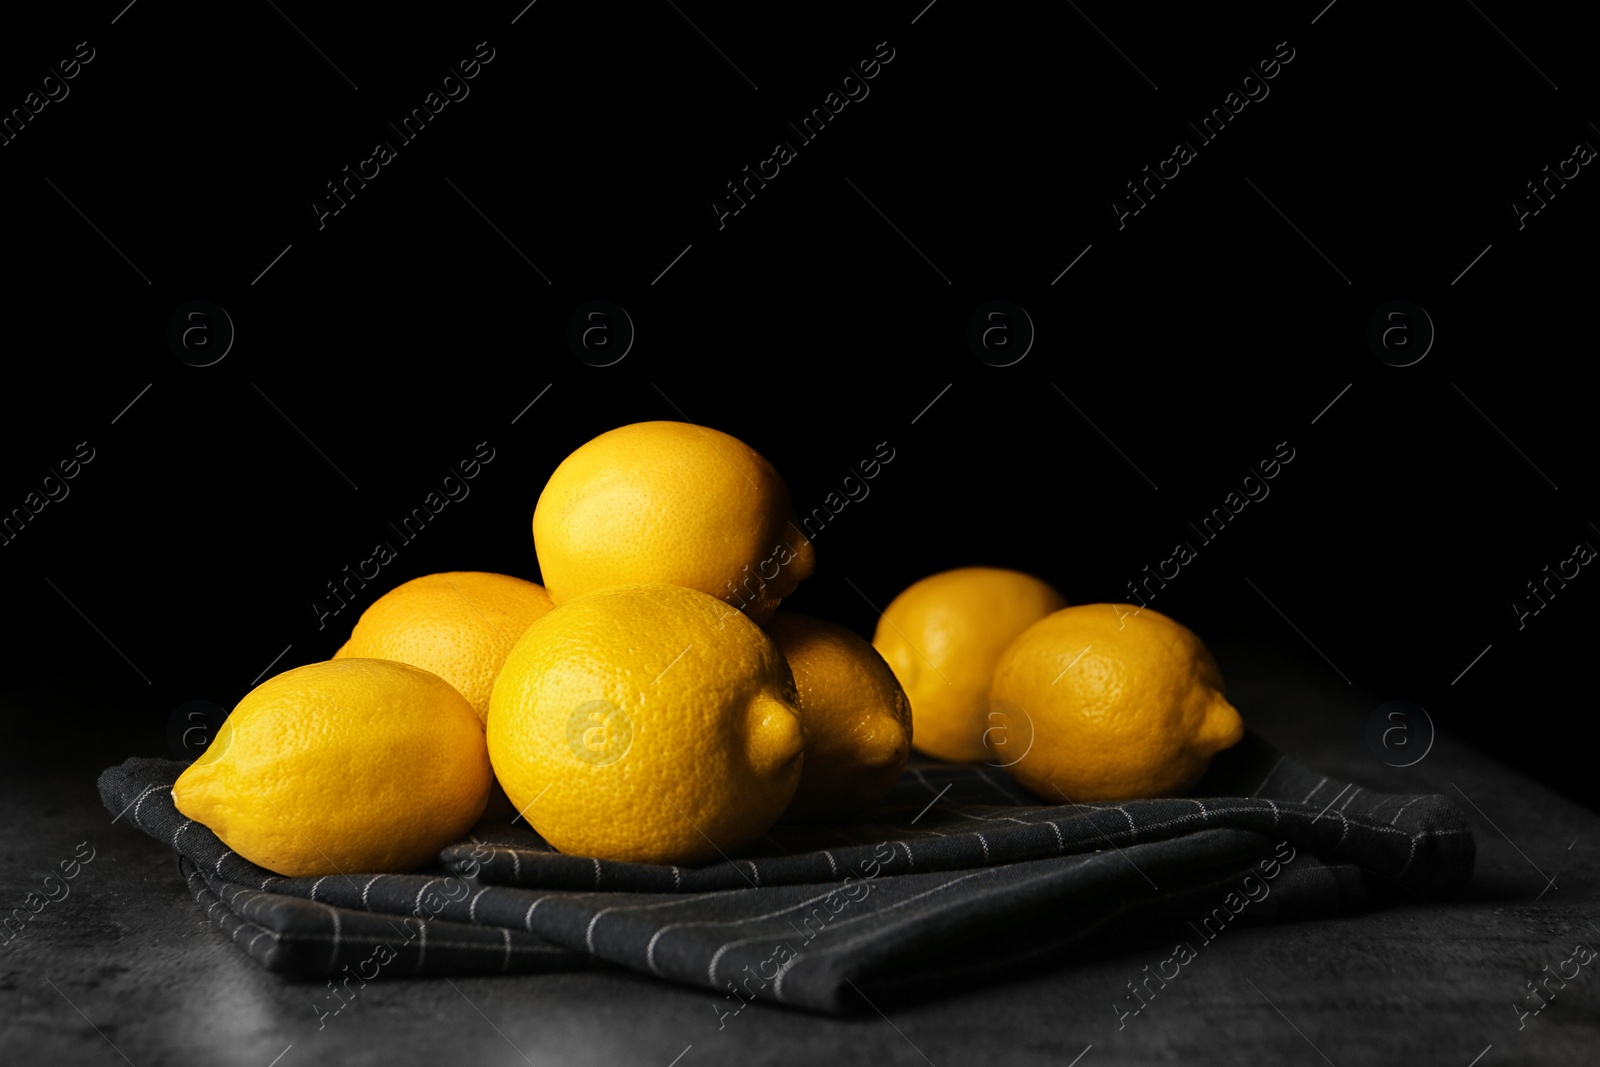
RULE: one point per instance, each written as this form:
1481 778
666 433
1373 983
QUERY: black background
822 320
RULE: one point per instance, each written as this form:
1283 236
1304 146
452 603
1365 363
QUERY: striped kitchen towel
957 874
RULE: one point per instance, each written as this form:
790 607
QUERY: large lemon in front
650 723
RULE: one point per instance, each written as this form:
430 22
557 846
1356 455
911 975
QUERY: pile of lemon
650 703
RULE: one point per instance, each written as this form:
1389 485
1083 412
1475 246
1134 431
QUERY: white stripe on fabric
990 818
650 949
527 919
1402 808
338 933
137 804
1417 838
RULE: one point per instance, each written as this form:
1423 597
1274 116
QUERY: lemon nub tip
886 745
1223 727
777 737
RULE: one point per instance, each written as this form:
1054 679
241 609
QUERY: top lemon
673 503
942 637
460 625
1109 702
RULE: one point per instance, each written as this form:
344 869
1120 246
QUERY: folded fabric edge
301 938
1186 921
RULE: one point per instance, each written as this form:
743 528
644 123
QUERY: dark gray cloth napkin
957 874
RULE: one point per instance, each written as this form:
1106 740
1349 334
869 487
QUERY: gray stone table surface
125 969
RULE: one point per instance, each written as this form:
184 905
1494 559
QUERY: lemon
856 715
942 637
1109 702
341 767
670 502
460 625
650 723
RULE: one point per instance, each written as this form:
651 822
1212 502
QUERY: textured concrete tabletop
126 968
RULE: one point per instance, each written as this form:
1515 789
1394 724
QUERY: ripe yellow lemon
942 637
342 767
1109 702
856 715
650 723
670 502
460 625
